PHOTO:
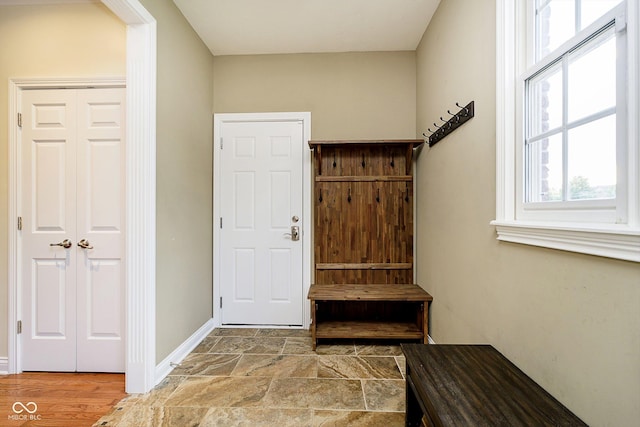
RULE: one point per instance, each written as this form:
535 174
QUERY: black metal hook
466 110
349 196
378 196
320 198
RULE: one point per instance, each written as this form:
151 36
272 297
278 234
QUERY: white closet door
72 161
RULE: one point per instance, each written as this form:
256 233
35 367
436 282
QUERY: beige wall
184 179
46 41
349 95
570 321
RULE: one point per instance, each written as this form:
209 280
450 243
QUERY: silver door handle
295 233
66 243
84 244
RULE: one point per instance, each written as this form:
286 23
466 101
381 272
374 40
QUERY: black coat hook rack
453 123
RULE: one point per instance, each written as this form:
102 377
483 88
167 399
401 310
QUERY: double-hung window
567 110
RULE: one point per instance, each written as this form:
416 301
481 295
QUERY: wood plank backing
360 222
364 276
363 211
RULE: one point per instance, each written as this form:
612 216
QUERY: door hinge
19 120
220 222
19 328
19 223
220 302
221 144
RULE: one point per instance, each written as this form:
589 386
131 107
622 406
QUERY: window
567 155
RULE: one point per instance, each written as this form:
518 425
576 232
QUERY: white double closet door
72 238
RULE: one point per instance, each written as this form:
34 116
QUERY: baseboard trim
4 366
431 341
165 367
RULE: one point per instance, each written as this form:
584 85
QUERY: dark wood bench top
366 292
475 385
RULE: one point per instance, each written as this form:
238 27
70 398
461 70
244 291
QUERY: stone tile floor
272 377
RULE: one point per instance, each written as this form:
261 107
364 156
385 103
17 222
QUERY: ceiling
247 27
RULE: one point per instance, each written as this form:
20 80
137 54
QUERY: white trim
620 244
307 235
165 367
140 256
430 340
620 241
4 365
140 169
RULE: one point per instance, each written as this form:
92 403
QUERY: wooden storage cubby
363 242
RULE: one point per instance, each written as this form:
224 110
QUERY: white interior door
73 194
261 198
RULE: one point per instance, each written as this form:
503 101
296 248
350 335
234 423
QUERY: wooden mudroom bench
366 311
363 242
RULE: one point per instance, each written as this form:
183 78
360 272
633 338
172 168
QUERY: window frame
614 235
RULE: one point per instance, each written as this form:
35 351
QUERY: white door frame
218 121
140 171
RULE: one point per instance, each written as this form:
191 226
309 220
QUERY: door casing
218 121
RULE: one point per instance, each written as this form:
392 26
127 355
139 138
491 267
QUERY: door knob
295 233
66 243
84 244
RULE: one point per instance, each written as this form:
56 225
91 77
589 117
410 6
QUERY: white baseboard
164 368
431 341
4 366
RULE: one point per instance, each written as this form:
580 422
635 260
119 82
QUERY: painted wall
184 179
349 95
570 321
45 41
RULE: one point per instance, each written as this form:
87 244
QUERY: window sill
619 242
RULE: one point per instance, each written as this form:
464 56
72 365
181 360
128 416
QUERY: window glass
570 145
545 101
559 20
591 10
592 160
592 77
555 24
544 170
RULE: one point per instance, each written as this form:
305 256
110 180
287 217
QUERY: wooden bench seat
369 311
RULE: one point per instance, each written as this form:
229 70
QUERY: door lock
295 233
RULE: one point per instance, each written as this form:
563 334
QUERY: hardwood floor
58 399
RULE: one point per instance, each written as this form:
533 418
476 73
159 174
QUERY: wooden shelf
364 266
386 142
368 330
368 292
355 178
